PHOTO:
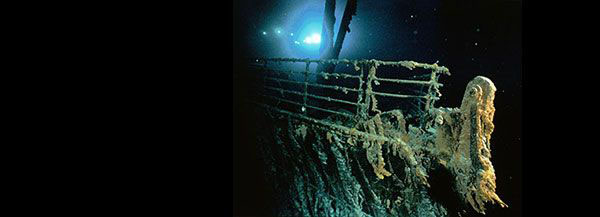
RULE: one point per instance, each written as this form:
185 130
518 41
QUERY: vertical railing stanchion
430 92
435 89
368 90
306 86
361 92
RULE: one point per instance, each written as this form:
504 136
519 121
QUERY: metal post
361 92
304 108
368 91
430 96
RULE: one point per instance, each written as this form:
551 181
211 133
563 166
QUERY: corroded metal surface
402 153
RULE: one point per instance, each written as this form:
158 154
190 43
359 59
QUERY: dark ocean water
471 38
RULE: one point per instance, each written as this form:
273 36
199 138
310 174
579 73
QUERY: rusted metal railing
366 99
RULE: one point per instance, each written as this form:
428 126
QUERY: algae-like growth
379 163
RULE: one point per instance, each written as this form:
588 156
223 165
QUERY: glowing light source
313 39
303 22
264 33
277 30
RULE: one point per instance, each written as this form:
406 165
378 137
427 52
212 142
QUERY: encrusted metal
366 99
342 117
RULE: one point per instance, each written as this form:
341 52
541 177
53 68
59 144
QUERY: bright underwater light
304 28
315 38
309 36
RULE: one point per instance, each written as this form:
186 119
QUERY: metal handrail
366 99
